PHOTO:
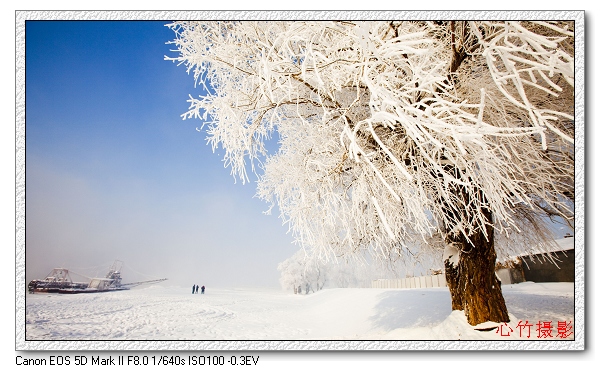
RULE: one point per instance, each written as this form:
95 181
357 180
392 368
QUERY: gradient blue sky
113 172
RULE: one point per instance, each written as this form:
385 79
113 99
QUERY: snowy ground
167 313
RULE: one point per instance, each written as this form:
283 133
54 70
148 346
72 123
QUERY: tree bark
452 280
471 276
474 287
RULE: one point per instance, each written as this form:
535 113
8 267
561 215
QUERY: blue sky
113 172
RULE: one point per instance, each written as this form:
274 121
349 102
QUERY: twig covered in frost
381 122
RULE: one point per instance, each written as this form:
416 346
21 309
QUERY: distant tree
391 133
343 274
291 274
302 269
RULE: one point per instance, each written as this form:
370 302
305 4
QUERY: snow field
173 313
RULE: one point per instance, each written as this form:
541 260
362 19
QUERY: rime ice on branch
393 133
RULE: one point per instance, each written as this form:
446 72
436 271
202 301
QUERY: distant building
533 267
538 267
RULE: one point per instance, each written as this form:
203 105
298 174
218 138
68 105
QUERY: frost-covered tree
291 273
307 270
302 269
394 132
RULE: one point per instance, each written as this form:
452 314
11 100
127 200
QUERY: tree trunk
470 267
451 264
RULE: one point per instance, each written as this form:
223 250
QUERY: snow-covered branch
390 132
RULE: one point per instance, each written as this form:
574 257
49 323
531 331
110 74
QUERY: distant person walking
202 289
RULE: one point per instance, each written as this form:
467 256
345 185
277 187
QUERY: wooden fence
438 280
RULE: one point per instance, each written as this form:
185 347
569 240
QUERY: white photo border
21 344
